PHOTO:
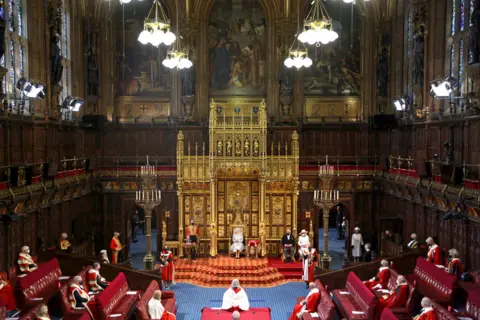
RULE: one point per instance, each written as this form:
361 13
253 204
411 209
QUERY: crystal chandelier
177 57
298 56
318 26
156 30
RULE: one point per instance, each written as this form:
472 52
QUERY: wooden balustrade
84 249
390 248
71 265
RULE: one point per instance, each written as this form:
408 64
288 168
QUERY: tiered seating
168 301
116 299
39 286
356 301
252 314
413 296
68 312
433 282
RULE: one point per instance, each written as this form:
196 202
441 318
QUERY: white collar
313 291
412 241
425 310
383 268
433 247
402 284
77 286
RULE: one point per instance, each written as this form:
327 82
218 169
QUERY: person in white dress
303 241
235 298
237 242
357 243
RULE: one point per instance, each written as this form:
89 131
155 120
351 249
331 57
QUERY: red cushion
472 308
64 300
108 300
170 305
252 314
325 309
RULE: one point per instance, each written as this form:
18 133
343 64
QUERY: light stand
148 198
325 199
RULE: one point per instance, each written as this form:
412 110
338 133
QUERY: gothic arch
201 9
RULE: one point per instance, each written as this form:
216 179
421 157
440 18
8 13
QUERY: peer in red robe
312 264
115 246
434 254
63 243
309 304
168 268
6 292
455 266
427 314
381 280
396 299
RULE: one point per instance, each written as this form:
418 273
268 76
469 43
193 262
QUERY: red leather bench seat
433 282
319 286
325 309
359 298
3 309
387 314
472 308
68 312
252 314
168 301
413 295
115 300
41 283
442 313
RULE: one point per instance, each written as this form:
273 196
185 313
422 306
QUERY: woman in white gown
237 242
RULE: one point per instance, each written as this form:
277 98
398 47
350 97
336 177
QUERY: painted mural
336 66
237 45
140 71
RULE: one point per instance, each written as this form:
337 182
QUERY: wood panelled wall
463 235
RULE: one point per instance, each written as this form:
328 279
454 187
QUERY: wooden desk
187 249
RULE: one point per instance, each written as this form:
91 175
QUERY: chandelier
177 57
326 173
156 30
318 27
298 56
354 1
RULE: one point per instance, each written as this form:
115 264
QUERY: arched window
65 49
13 13
458 27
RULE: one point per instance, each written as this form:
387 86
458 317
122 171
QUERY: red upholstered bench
413 296
355 297
3 309
168 301
68 312
472 308
433 282
325 309
41 283
387 314
252 314
115 300
319 286
443 313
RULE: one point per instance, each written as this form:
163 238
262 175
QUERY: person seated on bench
6 292
413 244
63 243
309 304
25 261
394 299
156 309
104 256
455 266
434 254
95 281
235 298
236 315
42 313
381 280
427 313
77 295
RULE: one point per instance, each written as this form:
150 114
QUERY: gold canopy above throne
238 182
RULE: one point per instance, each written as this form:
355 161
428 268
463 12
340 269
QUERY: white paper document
344 292
37 299
358 312
314 315
131 293
63 278
384 291
22 275
115 315
464 318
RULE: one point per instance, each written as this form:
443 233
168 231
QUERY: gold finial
286 148
180 135
196 148
212 104
294 135
263 105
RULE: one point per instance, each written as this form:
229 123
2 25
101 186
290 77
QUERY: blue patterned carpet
281 299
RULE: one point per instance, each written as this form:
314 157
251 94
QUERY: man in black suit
339 221
367 254
288 242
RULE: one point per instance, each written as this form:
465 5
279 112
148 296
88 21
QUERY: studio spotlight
30 89
73 103
442 88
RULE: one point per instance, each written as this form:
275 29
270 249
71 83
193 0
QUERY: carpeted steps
219 272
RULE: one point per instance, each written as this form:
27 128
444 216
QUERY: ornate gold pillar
180 151
180 220
262 216
295 212
295 174
213 215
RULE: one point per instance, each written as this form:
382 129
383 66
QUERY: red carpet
289 270
220 271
